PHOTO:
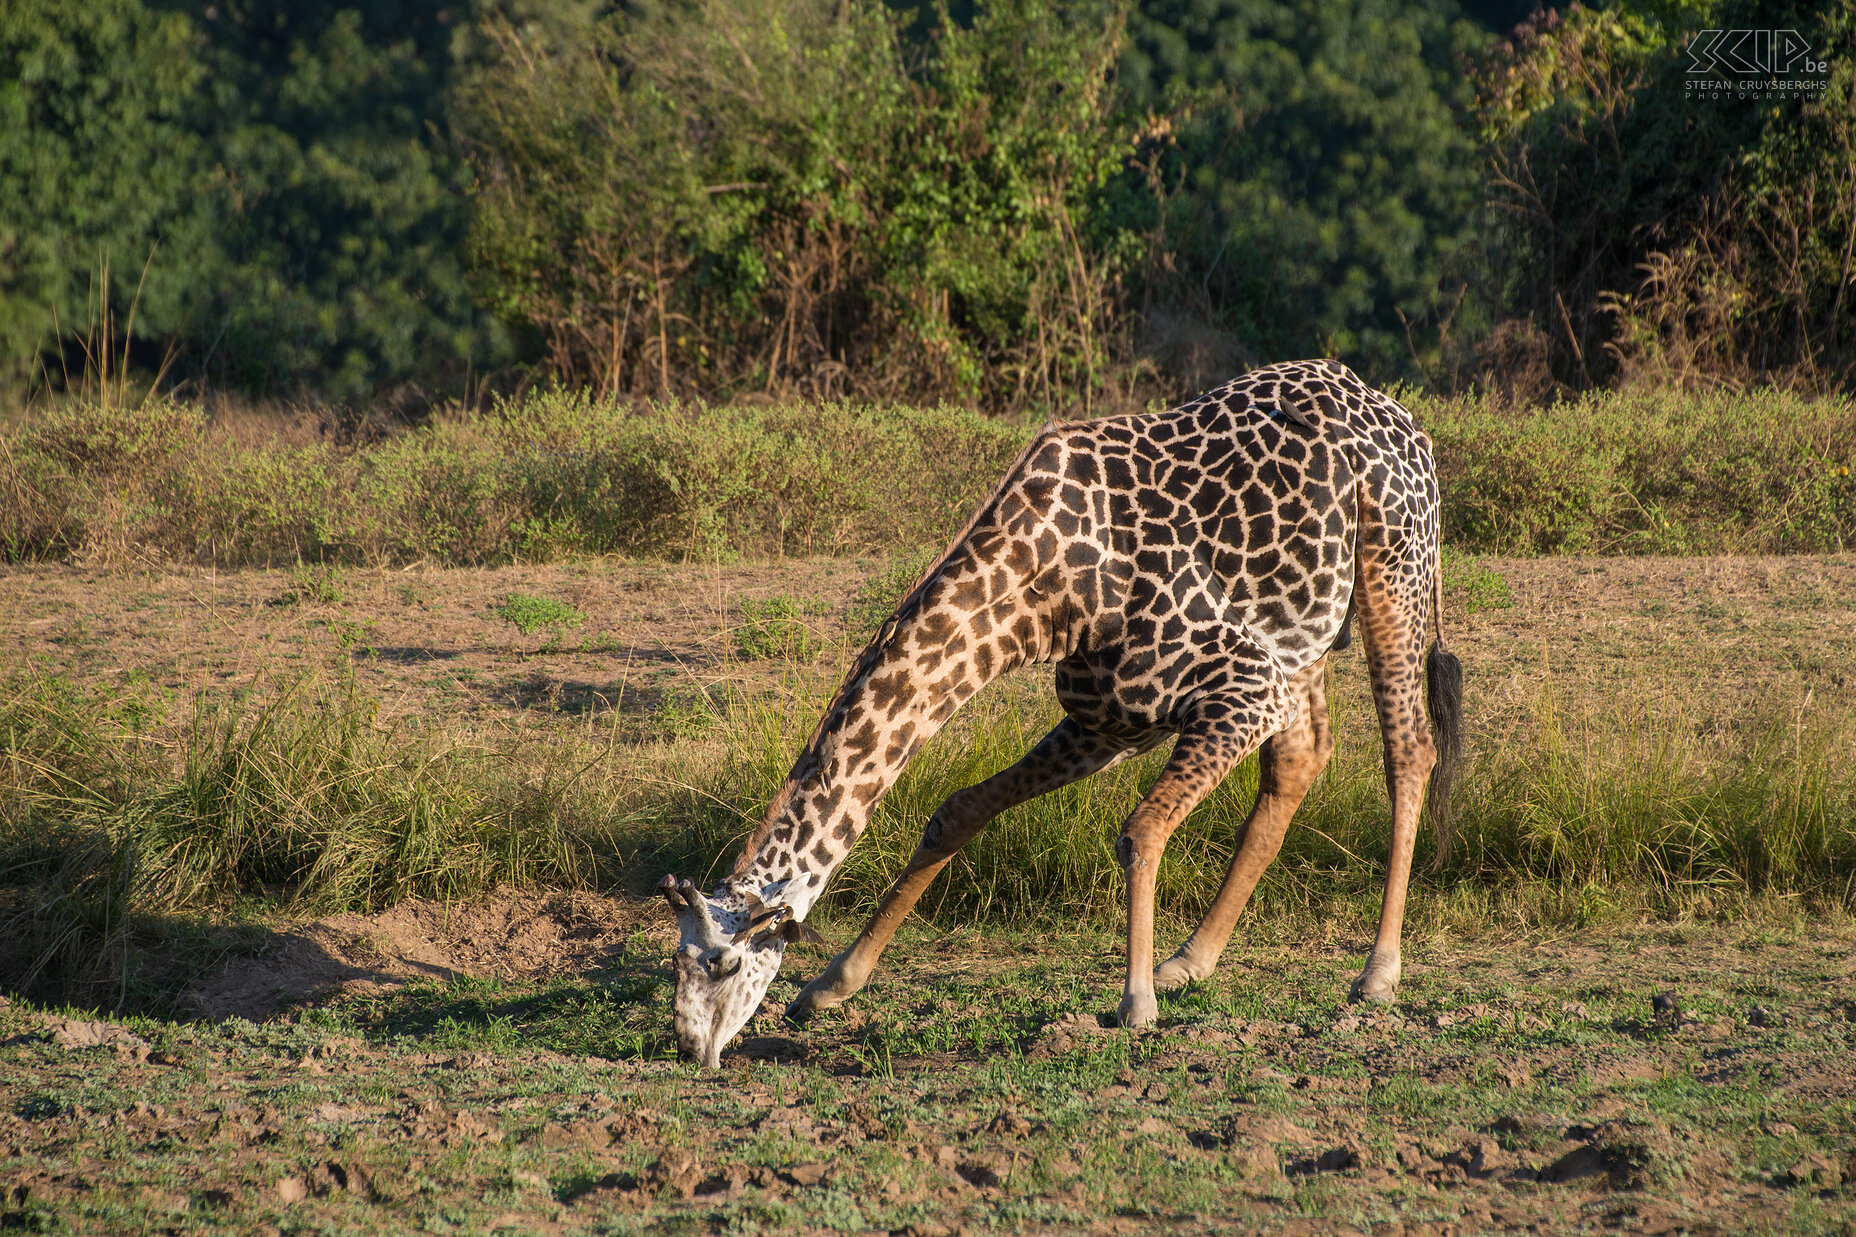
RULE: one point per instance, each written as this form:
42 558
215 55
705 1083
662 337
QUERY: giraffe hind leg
1067 754
1392 627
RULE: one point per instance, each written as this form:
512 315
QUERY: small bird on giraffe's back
1187 574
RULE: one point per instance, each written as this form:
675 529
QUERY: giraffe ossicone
1188 573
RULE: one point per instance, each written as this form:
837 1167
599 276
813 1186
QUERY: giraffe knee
950 827
934 834
1137 848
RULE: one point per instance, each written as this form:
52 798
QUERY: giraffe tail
1443 697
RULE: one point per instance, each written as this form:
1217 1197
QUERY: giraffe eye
722 963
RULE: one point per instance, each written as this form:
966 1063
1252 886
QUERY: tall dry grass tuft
1575 797
304 802
308 803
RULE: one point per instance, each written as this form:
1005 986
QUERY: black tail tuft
1345 639
1443 689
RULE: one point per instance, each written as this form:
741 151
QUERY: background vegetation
551 475
704 280
1002 205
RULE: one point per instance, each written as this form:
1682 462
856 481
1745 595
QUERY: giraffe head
730 951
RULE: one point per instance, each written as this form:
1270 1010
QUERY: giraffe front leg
845 975
950 828
1223 730
1292 759
1063 756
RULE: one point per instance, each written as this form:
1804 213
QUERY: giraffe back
1127 549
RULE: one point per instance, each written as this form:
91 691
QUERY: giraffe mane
873 653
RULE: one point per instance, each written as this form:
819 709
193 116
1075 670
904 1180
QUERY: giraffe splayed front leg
1222 729
1292 759
1067 754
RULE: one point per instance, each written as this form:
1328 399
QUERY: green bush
558 474
1483 588
529 615
1314 184
827 208
1648 230
1647 473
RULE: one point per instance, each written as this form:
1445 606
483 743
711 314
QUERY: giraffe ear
782 926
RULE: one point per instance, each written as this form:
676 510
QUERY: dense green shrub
550 475
257 197
822 208
1647 472
98 157
560 474
1660 225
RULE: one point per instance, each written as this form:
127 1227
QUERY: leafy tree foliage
1006 203
1318 193
1660 224
722 197
279 172
345 205
98 159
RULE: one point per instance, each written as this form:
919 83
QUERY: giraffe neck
904 688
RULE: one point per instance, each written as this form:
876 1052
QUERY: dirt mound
508 934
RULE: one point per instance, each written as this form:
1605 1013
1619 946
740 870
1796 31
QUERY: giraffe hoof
1138 1009
813 998
1375 990
1177 972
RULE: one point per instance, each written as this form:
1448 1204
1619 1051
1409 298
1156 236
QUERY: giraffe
1188 573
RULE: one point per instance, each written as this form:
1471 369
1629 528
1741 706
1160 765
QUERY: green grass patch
775 627
529 615
880 594
1475 583
624 1014
315 584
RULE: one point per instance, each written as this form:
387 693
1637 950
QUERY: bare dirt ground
477 1069
496 1066
1729 633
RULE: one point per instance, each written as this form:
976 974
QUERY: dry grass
560 475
